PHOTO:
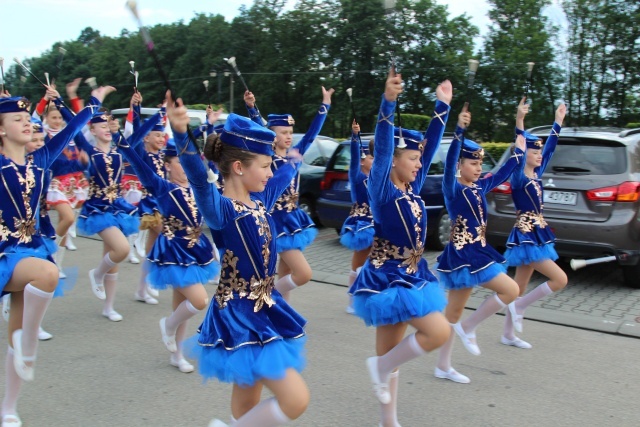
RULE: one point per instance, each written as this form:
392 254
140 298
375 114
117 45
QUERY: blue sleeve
549 147
255 116
379 181
432 138
66 114
354 165
145 174
277 184
518 178
314 129
505 171
47 154
137 117
212 205
449 180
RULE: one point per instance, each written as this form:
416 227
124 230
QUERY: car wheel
439 239
631 275
309 207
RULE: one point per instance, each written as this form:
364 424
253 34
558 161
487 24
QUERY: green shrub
633 125
495 149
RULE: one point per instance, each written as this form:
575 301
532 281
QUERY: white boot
69 243
6 304
141 242
58 259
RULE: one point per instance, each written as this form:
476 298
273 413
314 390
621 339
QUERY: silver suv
591 197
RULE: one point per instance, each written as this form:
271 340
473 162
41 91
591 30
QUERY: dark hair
225 155
371 145
51 106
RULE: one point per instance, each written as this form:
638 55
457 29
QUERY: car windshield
320 150
583 157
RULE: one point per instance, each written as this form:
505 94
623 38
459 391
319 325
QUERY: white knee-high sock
352 277
180 333
144 271
110 282
12 385
284 285
389 411
183 312
489 307
36 302
539 292
406 350
59 252
508 332
265 414
105 265
444 354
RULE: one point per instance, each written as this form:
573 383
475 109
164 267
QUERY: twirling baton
232 61
401 143
353 110
133 7
206 88
135 75
527 85
60 57
2 75
24 67
473 67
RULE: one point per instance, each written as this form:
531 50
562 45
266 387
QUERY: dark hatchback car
334 203
312 170
591 197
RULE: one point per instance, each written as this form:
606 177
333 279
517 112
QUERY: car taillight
626 192
504 188
330 176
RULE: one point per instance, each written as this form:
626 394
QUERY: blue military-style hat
14 104
99 117
533 142
242 133
471 150
280 120
409 139
36 125
170 149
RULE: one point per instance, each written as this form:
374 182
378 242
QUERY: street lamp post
215 72
230 74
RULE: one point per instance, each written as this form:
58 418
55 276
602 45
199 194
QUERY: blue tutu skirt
50 245
464 277
357 234
13 255
294 230
388 295
525 254
68 283
248 364
299 240
239 345
181 276
97 222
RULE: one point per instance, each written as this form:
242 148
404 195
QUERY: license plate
560 197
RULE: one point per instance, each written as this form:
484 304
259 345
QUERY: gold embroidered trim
383 250
527 221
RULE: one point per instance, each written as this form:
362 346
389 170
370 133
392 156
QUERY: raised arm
505 171
279 182
379 179
135 140
435 130
450 165
552 140
148 177
317 123
250 102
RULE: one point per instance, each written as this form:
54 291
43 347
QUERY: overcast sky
29 27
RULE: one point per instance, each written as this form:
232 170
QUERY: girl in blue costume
357 231
26 268
295 229
105 212
467 260
395 287
181 257
250 335
150 217
531 243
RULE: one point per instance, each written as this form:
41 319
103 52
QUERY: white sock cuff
39 292
111 276
107 260
191 308
353 273
285 284
278 415
545 287
358 270
415 345
502 305
394 374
